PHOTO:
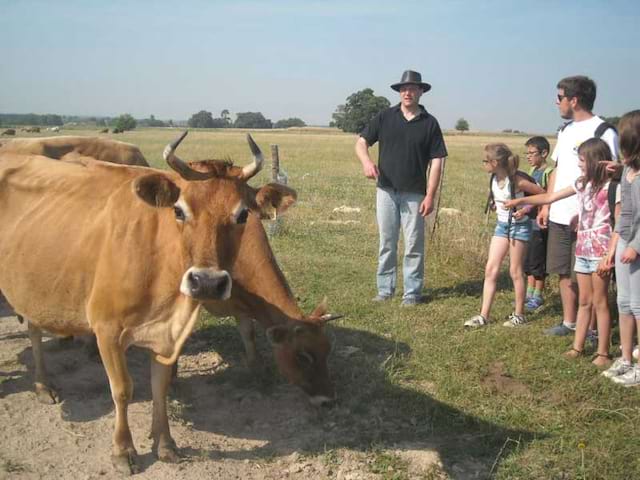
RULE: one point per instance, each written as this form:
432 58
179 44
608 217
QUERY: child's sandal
601 363
573 353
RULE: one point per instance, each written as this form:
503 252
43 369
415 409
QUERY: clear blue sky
493 62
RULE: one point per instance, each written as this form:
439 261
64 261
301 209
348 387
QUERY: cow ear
277 335
156 190
274 199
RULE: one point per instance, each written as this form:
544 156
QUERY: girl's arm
528 187
608 261
542 199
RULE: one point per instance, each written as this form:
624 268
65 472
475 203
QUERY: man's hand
629 255
426 207
370 170
543 217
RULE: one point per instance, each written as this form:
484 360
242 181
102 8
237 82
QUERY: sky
495 63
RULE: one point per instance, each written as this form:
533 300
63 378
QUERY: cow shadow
372 412
216 393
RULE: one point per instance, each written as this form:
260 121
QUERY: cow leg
44 393
163 445
124 454
247 329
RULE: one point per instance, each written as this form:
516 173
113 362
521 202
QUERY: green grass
505 398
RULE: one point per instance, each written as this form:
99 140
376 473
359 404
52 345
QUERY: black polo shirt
406 148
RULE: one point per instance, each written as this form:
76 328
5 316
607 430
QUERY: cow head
301 349
211 202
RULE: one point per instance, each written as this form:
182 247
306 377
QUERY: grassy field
503 397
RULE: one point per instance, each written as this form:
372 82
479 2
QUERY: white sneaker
515 321
629 379
619 367
476 321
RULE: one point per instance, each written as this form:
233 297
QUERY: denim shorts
519 230
586 265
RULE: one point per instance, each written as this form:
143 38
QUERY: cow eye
242 216
179 213
305 358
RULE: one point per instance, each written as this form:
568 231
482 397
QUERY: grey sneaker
619 367
381 298
631 378
515 321
411 302
476 321
561 330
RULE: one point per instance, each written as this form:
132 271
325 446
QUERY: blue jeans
395 209
628 283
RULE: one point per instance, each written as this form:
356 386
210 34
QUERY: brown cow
260 289
126 253
74 148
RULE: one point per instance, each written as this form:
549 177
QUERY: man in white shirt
575 99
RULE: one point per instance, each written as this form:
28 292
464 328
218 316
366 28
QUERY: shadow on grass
265 418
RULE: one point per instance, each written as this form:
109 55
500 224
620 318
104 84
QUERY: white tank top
501 195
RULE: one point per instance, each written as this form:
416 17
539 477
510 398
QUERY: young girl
513 230
627 252
594 235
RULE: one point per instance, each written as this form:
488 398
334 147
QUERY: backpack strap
545 176
490 196
603 127
566 124
611 198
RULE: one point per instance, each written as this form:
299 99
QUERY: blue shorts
519 230
586 265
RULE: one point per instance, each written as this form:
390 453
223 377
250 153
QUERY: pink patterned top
594 225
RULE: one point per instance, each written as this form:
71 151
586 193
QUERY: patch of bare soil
227 422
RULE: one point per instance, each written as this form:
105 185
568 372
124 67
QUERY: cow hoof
126 464
168 454
46 395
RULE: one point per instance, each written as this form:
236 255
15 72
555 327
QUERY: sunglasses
560 97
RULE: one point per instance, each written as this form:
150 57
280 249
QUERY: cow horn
254 167
180 166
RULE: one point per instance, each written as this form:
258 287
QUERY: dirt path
227 423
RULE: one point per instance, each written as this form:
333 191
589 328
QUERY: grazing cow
126 253
9 131
77 149
260 292
104 130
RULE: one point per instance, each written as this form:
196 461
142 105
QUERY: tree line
205 119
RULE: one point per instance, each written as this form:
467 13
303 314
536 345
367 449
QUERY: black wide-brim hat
409 77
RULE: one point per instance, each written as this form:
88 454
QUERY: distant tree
224 114
289 122
252 120
361 107
462 125
202 119
152 121
125 122
612 120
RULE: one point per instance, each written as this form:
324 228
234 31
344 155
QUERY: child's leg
584 310
627 321
531 285
539 285
497 251
601 307
517 251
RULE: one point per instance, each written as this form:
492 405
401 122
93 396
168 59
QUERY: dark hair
540 143
503 157
594 151
629 128
580 87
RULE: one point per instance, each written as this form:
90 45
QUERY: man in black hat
410 139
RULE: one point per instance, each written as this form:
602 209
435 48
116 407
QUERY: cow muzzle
206 284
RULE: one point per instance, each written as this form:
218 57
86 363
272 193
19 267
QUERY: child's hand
614 169
629 255
604 267
509 204
520 213
573 224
